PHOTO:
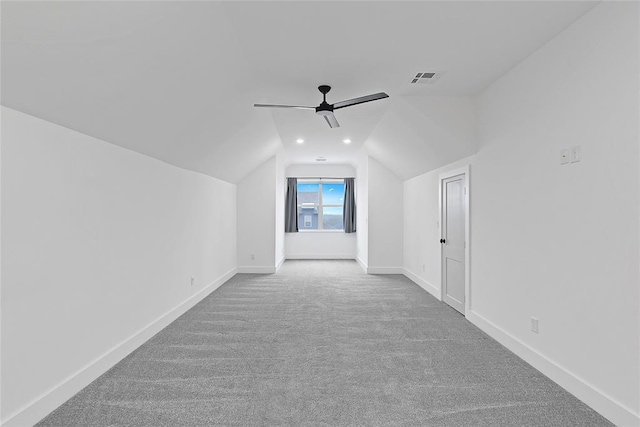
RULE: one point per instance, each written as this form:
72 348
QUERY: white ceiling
178 80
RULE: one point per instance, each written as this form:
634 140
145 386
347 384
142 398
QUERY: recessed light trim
300 140
346 141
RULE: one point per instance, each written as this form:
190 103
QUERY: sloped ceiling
178 80
419 134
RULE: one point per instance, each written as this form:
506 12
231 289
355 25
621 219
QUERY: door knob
442 241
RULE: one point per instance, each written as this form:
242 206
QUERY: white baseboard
422 283
279 263
321 256
589 394
385 270
49 401
262 269
363 265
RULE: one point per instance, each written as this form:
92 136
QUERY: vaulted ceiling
177 80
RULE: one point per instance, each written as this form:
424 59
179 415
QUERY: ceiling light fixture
299 140
346 141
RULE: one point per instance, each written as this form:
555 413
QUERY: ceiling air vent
321 159
425 78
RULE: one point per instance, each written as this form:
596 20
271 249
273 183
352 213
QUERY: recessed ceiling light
346 141
299 140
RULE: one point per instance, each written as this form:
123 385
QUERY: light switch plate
564 156
575 154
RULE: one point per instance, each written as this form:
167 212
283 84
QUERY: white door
453 241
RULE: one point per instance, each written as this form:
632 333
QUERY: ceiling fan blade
284 106
331 119
361 100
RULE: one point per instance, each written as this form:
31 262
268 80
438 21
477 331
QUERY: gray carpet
321 343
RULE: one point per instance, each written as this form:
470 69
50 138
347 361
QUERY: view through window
320 204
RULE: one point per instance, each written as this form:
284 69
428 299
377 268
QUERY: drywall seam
589 394
433 290
264 269
50 400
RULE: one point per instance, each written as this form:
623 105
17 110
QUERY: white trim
279 263
323 230
433 290
463 170
589 394
363 265
50 400
266 269
321 256
321 180
385 270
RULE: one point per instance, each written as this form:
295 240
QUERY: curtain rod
324 177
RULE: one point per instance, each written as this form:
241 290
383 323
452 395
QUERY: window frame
320 205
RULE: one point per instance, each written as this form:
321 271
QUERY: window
308 222
320 204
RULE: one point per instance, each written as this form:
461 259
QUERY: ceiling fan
325 109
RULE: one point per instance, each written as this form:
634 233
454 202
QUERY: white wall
280 184
98 244
321 171
257 220
422 262
362 210
321 244
385 220
561 242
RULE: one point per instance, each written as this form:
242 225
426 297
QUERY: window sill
321 231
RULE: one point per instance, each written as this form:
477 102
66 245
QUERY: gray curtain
291 206
349 207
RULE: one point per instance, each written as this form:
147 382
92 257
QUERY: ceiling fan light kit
325 109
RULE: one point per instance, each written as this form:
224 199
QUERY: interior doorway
454 238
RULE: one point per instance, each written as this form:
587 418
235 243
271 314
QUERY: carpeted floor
321 343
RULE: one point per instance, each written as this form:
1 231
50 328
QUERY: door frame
464 170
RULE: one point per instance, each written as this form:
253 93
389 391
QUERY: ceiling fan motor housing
324 109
